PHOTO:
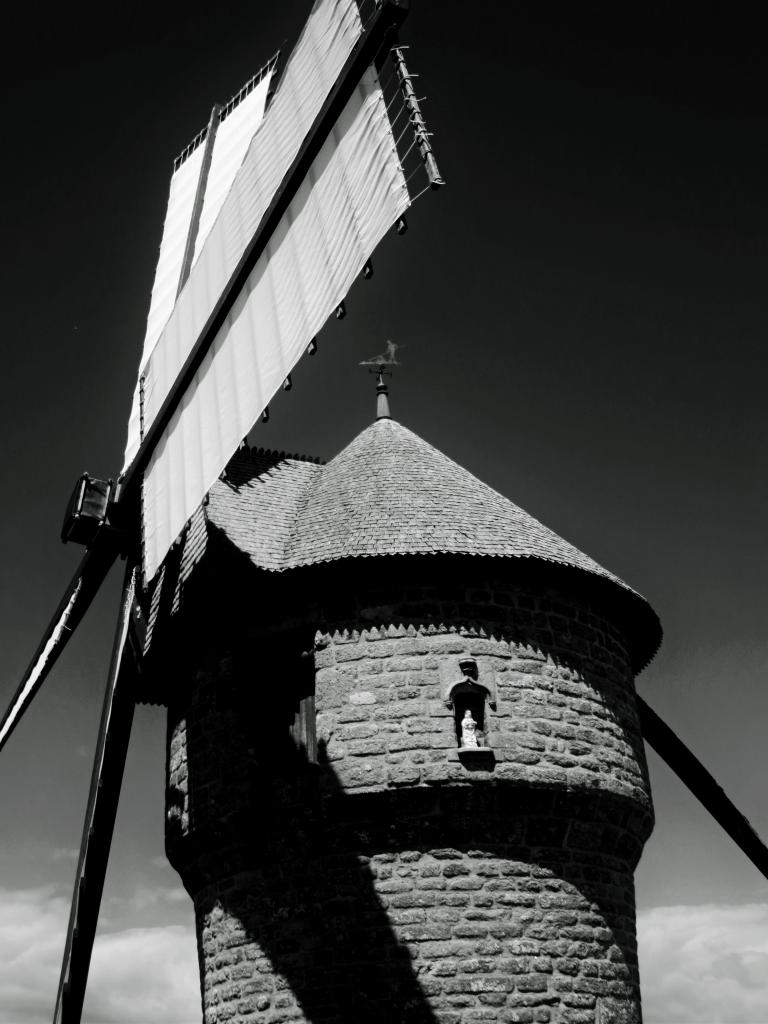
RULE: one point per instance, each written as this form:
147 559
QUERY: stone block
362 697
432 884
353 713
455 868
366 748
403 775
358 731
465 883
356 774
424 725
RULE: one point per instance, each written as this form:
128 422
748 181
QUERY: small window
469 715
471 702
303 729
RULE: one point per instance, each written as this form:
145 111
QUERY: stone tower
355 853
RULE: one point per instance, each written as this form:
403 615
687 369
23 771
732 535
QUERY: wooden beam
692 772
82 588
101 811
197 206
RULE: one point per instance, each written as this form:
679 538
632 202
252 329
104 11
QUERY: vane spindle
382 395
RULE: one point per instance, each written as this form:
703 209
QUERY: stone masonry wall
445 934
396 880
565 711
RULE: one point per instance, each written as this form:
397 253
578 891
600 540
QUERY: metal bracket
416 118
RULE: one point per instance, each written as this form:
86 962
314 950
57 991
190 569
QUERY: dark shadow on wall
293 882
305 896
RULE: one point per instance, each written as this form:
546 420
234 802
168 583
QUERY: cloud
32 929
138 975
64 853
145 975
704 964
698 965
145 896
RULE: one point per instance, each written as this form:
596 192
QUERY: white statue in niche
468 730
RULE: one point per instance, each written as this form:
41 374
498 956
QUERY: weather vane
387 358
377 365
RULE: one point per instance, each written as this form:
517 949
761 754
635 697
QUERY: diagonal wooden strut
107 777
692 772
197 206
89 576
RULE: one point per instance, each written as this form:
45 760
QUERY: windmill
107 518
261 206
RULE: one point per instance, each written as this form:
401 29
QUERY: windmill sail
319 186
237 125
353 193
328 37
280 213
185 229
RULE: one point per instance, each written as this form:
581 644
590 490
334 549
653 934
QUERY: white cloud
144 975
144 897
138 975
32 929
698 965
64 853
705 964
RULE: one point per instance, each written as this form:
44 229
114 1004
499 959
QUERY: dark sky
583 314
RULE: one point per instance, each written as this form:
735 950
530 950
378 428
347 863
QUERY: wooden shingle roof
388 492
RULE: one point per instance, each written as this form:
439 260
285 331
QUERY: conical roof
389 493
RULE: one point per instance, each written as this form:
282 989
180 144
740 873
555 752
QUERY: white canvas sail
353 193
181 199
234 132
233 137
328 38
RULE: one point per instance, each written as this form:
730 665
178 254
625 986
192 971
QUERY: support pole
101 811
89 576
692 772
